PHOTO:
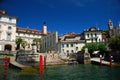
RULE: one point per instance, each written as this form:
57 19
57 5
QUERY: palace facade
9 32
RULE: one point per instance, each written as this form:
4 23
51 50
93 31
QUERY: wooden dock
97 60
16 64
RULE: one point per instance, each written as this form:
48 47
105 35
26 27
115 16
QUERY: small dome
92 28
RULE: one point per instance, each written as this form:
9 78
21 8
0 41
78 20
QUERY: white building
93 35
29 35
70 43
7 31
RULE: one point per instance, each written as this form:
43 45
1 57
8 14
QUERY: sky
63 15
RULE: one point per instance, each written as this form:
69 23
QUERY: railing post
40 66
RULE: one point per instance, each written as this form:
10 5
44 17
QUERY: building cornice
72 41
8 23
6 15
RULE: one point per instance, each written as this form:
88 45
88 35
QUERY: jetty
97 61
16 64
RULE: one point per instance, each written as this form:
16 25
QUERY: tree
94 47
37 41
24 44
18 42
114 42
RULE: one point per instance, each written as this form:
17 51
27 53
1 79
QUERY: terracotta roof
28 30
71 35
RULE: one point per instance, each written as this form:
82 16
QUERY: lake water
69 72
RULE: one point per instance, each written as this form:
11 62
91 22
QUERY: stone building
113 30
7 31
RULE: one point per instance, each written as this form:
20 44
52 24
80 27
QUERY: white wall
98 36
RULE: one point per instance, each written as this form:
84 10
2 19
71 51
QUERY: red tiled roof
31 31
27 29
71 35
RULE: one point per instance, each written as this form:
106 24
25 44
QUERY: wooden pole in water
40 66
100 60
6 65
110 60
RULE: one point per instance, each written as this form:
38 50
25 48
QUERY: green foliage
37 40
94 47
114 42
24 44
18 41
21 42
6 54
49 49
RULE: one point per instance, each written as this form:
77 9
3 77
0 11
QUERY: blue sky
63 15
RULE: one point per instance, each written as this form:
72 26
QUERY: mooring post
100 60
111 60
40 66
6 64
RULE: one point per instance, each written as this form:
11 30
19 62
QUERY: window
72 51
10 19
88 35
9 27
91 35
63 45
67 51
95 34
63 50
71 45
8 36
96 39
67 45
76 48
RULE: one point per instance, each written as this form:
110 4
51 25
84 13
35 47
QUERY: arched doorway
8 47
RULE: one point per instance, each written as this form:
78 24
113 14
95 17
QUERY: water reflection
70 72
